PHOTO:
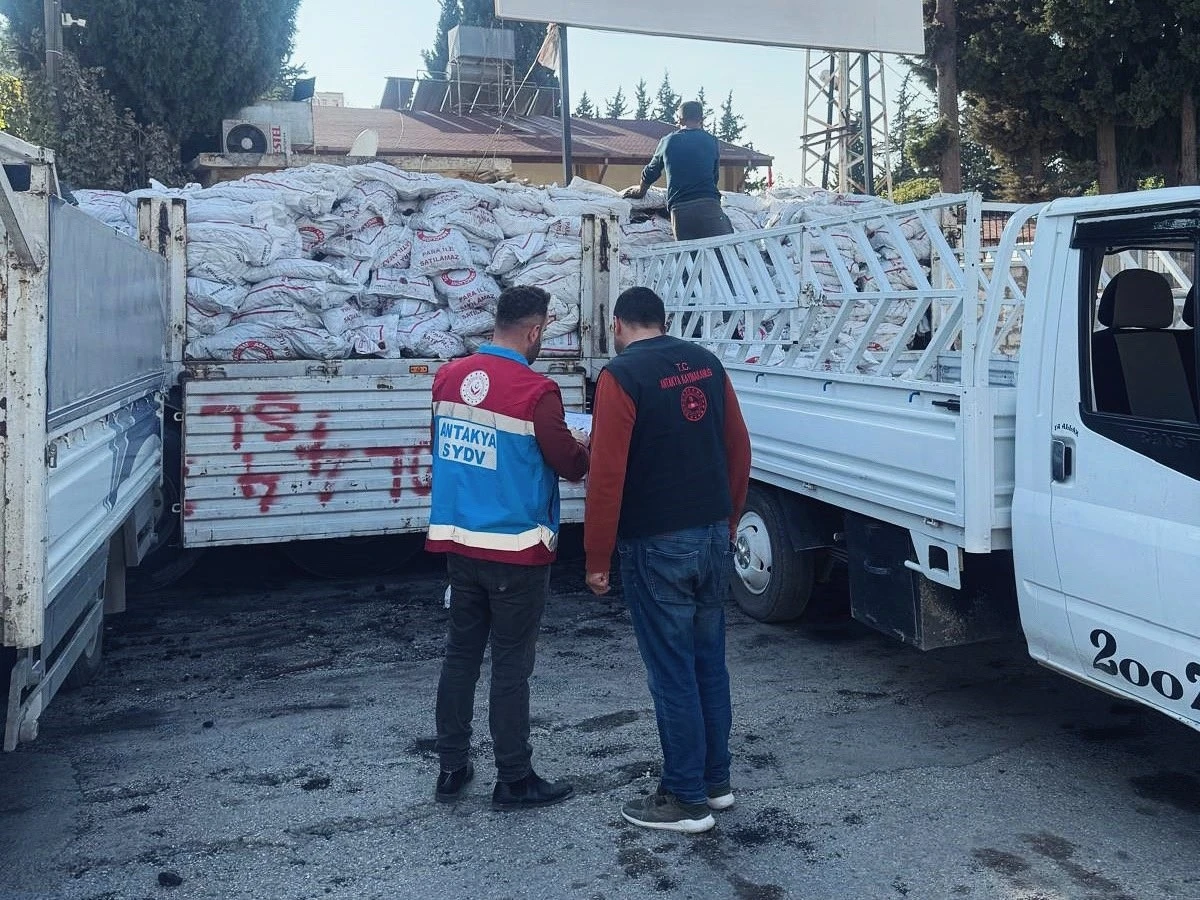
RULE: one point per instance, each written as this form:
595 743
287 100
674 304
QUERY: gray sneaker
664 811
720 796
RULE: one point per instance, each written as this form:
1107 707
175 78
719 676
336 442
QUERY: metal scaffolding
842 91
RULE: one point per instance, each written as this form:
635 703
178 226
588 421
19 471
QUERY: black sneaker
720 796
450 784
665 812
530 792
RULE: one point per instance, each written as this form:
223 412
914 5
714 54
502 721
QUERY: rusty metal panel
294 456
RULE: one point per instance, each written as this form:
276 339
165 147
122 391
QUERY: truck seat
1138 366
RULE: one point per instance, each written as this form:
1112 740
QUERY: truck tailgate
295 451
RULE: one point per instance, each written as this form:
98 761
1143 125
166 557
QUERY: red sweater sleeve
737 455
562 453
613 415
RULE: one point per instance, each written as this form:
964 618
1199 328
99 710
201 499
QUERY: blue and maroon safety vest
494 497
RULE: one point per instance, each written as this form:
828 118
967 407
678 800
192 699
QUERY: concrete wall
617 177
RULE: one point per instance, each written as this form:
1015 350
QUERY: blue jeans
676 584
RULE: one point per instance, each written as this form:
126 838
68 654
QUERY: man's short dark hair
691 111
519 304
642 307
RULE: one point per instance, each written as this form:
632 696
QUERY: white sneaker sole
723 802
687 826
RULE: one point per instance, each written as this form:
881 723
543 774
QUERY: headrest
1137 298
1189 308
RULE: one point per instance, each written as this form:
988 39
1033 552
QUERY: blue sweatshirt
692 159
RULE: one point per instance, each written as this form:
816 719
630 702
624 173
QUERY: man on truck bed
691 158
671 471
500 443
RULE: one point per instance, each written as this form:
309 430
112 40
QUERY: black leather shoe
450 784
530 792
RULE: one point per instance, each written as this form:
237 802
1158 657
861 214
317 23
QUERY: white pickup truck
955 414
80 430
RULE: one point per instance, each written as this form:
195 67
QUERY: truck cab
1106 511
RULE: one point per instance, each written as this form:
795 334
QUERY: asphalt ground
260 733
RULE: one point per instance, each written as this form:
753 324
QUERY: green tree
617 106
584 109
703 101
730 127
176 65
666 101
97 143
641 97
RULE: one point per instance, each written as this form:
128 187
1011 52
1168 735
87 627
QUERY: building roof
519 138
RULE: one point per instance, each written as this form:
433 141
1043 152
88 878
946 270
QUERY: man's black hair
691 111
518 304
642 307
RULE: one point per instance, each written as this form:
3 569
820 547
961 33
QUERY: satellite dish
366 144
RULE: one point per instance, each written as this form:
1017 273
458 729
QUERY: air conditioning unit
254 137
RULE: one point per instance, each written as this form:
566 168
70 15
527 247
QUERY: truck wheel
89 663
772 581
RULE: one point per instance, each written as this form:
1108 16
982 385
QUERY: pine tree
703 101
528 35
584 109
437 60
641 97
176 65
731 127
667 101
618 106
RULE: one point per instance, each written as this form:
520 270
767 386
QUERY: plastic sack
437 252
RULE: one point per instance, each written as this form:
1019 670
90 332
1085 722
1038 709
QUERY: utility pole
565 107
52 16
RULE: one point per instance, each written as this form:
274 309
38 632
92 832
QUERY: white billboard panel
887 26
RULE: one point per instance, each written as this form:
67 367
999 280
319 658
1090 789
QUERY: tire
771 581
89 663
347 557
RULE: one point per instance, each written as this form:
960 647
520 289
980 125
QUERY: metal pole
565 104
868 128
52 21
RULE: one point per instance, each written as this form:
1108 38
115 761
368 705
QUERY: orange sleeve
737 455
613 415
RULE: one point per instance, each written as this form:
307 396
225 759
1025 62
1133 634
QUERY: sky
351 46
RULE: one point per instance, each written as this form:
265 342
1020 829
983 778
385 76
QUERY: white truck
333 454
956 416
82 340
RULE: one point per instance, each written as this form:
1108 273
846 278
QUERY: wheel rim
752 553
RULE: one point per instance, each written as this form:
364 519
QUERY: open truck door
1119 463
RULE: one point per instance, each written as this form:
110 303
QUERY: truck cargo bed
281 451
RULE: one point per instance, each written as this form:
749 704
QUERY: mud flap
889 597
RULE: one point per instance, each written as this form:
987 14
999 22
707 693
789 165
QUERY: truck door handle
1062 460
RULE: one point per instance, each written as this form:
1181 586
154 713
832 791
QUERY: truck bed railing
885 292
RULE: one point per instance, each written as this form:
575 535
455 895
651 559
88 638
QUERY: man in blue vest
500 443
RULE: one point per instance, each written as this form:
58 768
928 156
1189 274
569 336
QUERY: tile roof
522 139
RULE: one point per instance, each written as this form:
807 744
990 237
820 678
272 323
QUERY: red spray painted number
274 410
251 481
406 466
323 463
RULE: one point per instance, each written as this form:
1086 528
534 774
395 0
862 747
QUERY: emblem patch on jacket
475 388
